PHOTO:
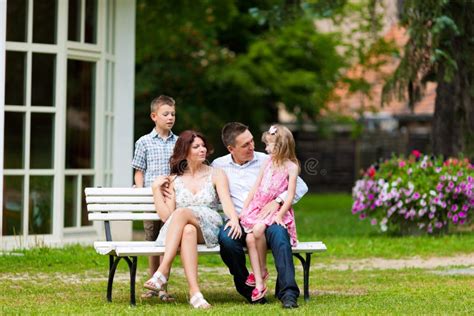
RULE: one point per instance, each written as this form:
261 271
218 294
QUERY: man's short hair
230 131
161 100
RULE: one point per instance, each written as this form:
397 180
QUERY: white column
3 28
124 93
124 103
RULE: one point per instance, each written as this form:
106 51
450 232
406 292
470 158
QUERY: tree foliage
440 49
223 61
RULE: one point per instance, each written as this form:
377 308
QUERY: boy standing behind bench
151 159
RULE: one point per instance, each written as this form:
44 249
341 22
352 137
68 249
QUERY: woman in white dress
186 201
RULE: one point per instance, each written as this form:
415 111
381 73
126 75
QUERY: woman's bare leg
190 238
254 260
180 219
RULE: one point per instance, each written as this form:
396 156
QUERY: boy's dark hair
230 131
161 100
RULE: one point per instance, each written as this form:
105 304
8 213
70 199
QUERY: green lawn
74 279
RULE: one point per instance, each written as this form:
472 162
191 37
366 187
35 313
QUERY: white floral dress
204 206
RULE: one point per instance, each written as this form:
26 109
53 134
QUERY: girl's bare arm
292 176
251 194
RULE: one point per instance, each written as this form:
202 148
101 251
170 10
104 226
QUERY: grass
73 280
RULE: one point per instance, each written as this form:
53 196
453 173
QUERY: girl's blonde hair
284 148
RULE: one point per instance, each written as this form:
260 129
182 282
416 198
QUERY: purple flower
431 215
373 222
439 187
416 196
462 214
371 196
362 216
455 219
439 225
460 174
465 207
442 178
454 207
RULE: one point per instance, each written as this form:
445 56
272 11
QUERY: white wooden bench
133 204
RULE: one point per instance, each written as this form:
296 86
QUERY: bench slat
118 191
119 199
154 251
120 207
123 216
148 248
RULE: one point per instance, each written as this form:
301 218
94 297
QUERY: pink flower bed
428 192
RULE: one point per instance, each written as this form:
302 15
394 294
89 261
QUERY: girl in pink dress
276 176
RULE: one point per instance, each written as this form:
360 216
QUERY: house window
82 23
55 114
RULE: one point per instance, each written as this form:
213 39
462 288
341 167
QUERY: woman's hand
161 181
235 231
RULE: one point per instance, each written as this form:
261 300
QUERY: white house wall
3 28
121 152
124 105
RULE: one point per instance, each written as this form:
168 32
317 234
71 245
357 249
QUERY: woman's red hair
178 162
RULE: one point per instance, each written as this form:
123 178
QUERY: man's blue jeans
278 241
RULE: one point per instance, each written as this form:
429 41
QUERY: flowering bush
428 192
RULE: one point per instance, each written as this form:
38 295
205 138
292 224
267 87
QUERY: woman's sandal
156 283
198 301
163 295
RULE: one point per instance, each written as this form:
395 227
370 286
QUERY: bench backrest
120 204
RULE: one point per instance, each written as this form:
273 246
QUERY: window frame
64 50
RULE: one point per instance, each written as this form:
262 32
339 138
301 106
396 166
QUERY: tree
223 62
440 49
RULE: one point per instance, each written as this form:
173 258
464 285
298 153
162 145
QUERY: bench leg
113 263
306 266
132 266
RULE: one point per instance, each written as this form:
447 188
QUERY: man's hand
235 231
271 208
279 220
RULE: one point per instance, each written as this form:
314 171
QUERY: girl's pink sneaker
257 294
251 279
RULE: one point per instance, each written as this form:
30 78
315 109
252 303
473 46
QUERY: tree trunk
453 122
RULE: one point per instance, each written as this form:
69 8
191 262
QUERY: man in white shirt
242 166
